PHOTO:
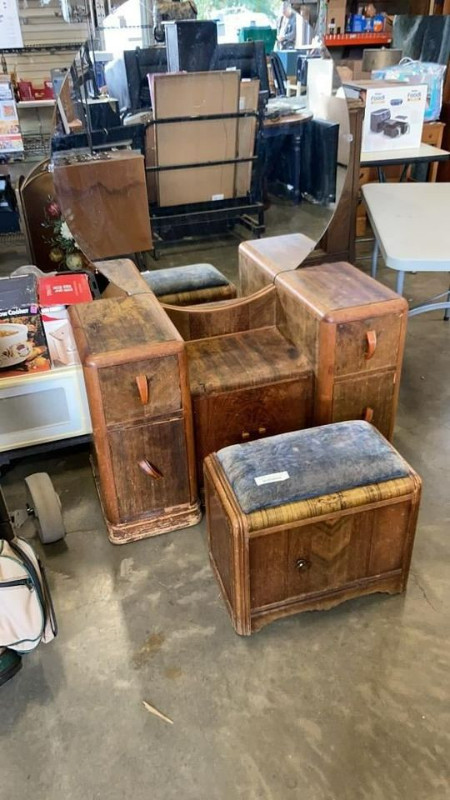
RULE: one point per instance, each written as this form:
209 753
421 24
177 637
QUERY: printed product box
23 346
393 118
58 331
65 289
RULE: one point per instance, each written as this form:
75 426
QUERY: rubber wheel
10 663
47 507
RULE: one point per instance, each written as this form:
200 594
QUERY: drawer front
150 467
327 556
370 398
141 390
367 344
240 416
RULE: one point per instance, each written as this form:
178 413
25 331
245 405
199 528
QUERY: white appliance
43 407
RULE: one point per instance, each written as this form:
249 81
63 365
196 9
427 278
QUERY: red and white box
64 290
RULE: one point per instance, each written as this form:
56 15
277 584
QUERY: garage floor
348 704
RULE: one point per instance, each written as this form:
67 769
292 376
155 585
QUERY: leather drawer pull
150 470
371 337
142 385
302 564
368 414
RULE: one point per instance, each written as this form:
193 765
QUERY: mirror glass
215 133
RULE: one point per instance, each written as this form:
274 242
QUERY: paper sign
10 33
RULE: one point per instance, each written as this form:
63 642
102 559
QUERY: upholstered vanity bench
305 520
196 283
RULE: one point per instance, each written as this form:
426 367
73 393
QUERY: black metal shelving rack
171 224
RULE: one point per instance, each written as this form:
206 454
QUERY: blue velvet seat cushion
184 279
310 463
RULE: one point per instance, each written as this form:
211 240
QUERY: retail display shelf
357 39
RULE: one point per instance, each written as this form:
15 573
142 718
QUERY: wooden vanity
167 385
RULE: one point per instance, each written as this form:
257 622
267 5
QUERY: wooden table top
290 119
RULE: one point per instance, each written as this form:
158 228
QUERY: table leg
400 281
374 259
381 175
446 314
297 152
404 173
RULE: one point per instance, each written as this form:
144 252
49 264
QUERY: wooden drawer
327 556
121 397
370 398
233 417
368 344
163 446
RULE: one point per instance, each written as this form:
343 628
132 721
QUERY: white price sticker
273 477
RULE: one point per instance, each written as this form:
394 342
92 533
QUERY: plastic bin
262 34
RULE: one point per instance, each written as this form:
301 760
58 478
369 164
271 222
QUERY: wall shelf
357 39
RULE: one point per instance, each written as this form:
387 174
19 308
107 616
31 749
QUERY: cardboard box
58 330
23 346
248 101
393 117
18 291
356 89
336 9
64 290
190 95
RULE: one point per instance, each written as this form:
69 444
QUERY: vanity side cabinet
261 260
352 330
135 371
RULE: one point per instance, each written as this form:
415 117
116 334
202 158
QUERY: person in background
286 27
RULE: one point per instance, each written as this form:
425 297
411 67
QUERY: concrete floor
348 704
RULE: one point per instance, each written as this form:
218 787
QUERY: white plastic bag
418 72
26 611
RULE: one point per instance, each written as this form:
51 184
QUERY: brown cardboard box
336 10
189 95
248 101
356 89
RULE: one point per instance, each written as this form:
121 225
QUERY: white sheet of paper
10 32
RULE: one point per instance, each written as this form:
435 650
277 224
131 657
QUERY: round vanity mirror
179 136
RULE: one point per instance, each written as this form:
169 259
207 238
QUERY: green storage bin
262 34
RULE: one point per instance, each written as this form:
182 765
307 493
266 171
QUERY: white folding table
424 154
411 225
